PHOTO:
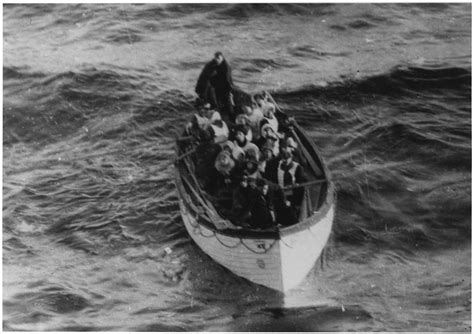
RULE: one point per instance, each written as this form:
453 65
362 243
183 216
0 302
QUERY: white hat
216 116
228 144
290 142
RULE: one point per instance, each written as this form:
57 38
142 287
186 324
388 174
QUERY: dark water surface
94 95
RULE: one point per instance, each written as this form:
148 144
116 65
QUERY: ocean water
94 95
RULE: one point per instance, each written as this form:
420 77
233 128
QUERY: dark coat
271 171
295 196
203 81
241 205
261 207
217 76
286 215
222 81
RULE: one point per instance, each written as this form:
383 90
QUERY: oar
184 155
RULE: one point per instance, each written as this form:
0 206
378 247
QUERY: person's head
258 98
204 109
218 57
240 132
267 131
268 113
267 153
286 156
251 164
263 186
242 119
224 162
252 152
247 110
291 144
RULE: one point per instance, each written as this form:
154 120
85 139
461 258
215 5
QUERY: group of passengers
248 163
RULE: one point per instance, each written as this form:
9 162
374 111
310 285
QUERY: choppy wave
400 80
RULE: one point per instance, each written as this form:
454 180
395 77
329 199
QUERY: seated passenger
202 119
261 211
289 143
220 182
251 167
224 163
199 121
206 153
242 119
242 145
254 116
266 159
240 212
268 111
269 137
218 128
288 173
263 103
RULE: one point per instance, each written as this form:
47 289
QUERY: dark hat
242 128
252 150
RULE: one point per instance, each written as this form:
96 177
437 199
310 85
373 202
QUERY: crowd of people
246 156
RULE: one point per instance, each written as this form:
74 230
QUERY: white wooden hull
280 264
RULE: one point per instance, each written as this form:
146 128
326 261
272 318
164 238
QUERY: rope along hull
280 264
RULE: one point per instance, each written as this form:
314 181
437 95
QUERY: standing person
215 85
